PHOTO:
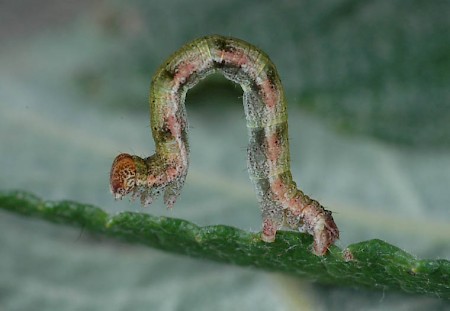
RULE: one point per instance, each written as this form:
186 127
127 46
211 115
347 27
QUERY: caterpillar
282 204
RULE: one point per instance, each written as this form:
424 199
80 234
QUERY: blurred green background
369 122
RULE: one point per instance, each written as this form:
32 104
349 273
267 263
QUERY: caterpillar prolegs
282 204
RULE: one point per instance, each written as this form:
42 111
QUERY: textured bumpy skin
282 204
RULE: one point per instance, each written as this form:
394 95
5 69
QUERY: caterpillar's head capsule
125 172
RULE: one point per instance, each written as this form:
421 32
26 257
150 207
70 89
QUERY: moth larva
268 151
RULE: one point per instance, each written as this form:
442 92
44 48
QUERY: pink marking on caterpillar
282 204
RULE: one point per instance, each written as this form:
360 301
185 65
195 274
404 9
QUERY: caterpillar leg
309 216
173 191
273 220
299 212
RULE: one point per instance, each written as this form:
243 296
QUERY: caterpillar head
127 174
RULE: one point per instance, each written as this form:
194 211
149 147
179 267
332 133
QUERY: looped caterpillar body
282 204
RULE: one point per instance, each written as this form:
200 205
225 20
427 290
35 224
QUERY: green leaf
372 264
